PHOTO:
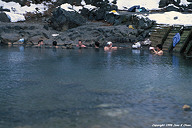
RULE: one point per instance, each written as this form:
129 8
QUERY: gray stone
110 18
85 12
45 35
100 14
190 6
4 17
163 3
46 27
31 27
186 107
17 28
9 38
63 20
35 39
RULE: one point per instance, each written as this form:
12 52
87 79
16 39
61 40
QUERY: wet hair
97 44
40 41
79 40
159 46
54 43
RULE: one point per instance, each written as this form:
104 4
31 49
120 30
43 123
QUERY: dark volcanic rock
190 6
4 17
63 20
163 3
9 38
145 23
60 2
110 18
99 13
172 8
85 12
177 2
74 2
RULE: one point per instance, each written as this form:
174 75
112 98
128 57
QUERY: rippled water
88 88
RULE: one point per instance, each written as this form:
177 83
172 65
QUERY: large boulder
120 19
35 39
163 3
190 6
9 38
142 23
4 17
63 20
99 13
110 18
85 12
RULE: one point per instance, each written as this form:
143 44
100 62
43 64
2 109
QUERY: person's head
97 44
159 47
54 43
40 42
80 42
109 44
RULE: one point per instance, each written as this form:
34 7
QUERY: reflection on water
88 88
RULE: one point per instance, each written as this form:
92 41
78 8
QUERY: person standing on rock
159 50
80 44
109 47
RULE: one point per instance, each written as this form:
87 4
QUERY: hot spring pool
88 88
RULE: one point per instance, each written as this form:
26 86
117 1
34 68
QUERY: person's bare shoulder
160 53
114 48
106 48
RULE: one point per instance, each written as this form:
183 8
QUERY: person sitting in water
109 47
159 50
80 44
97 44
40 43
54 44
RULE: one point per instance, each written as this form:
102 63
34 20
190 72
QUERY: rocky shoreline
131 30
105 23
10 33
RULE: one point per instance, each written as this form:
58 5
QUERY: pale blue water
88 88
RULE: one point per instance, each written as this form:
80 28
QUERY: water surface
88 88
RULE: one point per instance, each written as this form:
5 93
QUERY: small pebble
186 108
